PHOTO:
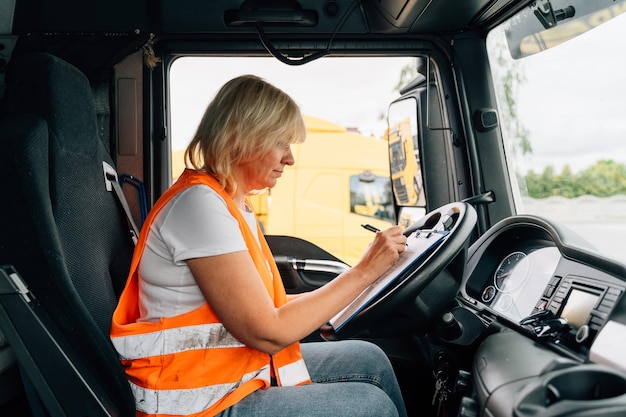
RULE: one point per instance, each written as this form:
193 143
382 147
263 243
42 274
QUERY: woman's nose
288 158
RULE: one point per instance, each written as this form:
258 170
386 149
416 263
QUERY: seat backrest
61 229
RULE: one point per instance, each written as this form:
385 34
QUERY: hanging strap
111 182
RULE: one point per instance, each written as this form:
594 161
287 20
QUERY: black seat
60 228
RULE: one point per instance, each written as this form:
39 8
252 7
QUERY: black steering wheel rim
459 218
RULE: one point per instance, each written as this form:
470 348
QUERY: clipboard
419 242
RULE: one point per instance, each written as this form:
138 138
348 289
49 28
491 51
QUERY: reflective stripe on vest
166 342
187 401
292 373
190 364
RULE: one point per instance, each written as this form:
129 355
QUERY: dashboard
561 314
528 274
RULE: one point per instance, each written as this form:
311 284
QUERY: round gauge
505 303
512 272
488 293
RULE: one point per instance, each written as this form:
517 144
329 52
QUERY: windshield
562 115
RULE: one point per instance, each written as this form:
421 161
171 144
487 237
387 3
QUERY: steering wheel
415 298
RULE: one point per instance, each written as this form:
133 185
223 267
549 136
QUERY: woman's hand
382 253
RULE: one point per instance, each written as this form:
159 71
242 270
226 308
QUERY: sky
353 94
574 100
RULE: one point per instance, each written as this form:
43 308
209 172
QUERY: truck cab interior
518 311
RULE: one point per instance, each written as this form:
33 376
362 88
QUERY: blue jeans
350 378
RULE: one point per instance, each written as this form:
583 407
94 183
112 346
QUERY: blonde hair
246 119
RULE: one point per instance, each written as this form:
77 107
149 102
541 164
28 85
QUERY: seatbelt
112 184
141 193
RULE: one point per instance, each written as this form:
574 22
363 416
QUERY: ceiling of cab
96 34
277 16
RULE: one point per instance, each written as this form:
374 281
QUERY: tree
540 185
509 74
407 73
605 178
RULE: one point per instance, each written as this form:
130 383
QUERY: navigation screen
578 307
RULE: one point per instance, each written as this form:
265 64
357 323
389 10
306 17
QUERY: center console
572 310
512 373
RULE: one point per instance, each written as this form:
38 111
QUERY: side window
370 196
344 102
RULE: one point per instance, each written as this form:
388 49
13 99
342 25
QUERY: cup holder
584 390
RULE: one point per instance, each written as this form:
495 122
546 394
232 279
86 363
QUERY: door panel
303 266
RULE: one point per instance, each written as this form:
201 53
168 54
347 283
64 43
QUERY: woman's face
264 171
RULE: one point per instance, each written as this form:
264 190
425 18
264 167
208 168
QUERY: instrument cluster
524 275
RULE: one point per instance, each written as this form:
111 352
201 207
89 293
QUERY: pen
370 228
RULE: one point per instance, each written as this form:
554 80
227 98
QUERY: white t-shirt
194 223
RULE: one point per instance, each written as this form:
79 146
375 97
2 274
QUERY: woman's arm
234 290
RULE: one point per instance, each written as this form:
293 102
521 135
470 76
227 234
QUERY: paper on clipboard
418 243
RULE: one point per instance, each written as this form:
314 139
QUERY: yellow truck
326 196
405 171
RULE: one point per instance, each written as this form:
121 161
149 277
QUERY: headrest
48 87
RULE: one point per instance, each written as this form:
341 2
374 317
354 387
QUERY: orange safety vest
190 364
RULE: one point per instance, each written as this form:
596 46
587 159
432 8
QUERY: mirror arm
484 198
547 16
544 12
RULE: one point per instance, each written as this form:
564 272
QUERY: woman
203 326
